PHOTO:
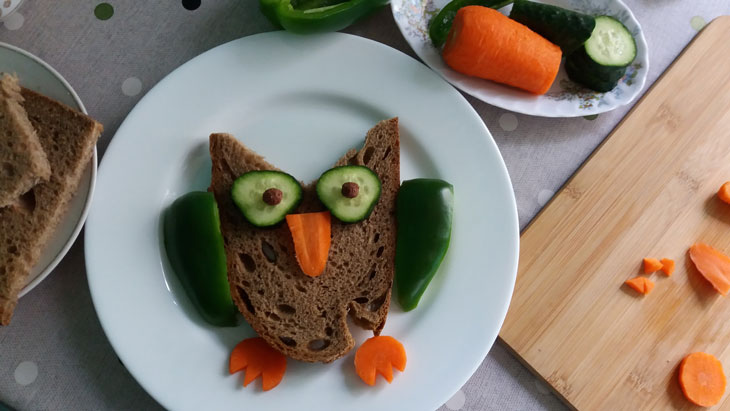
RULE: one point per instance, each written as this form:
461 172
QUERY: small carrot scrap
487 44
651 265
702 379
724 192
642 285
312 237
667 266
258 359
379 354
713 265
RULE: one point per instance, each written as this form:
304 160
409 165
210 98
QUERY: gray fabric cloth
55 333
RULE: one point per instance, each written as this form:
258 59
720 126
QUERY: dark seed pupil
350 190
273 196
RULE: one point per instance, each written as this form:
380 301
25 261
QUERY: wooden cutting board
648 191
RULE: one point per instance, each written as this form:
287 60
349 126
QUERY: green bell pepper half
317 16
424 209
439 27
194 246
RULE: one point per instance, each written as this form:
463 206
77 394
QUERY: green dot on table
591 117
697 22
104 11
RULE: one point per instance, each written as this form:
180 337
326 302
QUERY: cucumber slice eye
266 197
349 192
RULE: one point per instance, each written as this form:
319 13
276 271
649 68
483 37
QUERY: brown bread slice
23 163
301 316
68 137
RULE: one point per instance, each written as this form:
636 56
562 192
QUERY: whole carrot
485 43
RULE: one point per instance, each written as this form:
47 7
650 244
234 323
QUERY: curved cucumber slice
340 200
611 43
250 193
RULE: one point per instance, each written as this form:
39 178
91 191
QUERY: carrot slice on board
377 355
258 359
651 265
485 43
312 238
702 379
667 266
724 192
713 265
642 285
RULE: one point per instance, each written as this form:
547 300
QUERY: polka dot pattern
14 21
131 86
544 196
26 372
191 4
508 122
457 401
542 388
104 11
697 23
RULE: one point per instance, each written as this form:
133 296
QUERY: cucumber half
266 197
349 192
611 44
565 28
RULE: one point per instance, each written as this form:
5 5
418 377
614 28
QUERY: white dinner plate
35 74
302 102
565 98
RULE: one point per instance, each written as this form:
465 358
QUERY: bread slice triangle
23 163
305 317
68 138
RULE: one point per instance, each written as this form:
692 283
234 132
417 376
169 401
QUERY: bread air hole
387 152
328 330
286 309
248 262
288 341
372 274
273 316
268 251
246 301
301 288
8 169
376 238
318 344
27 201
380 251
377 303
361 300
368 155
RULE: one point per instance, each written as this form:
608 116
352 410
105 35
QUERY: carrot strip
311 233
258 359
724 192
713 265
667 266
642 285
651 265
485 43
702 379
377 355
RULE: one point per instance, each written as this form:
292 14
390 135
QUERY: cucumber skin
565 28
583 70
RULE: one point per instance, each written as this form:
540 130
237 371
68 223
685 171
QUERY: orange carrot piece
258 359
724 192
377 355
485 43
651 265
713 265
312 238
667 266
642 285
702 379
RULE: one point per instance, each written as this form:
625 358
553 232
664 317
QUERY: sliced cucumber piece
349 192
266 197
565 28
611 43
581 69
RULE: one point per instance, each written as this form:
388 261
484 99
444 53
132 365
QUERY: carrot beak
312 235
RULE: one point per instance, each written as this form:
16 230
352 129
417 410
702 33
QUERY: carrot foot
377 355
258 359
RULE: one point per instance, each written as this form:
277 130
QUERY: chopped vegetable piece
565 28
377 355
724 192
439 26
485 43
667 266
349 192
713 265
642 285
317 16
651 265
258 359
311 235
702 379
266 196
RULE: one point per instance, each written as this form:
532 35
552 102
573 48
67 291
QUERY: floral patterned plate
565 98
